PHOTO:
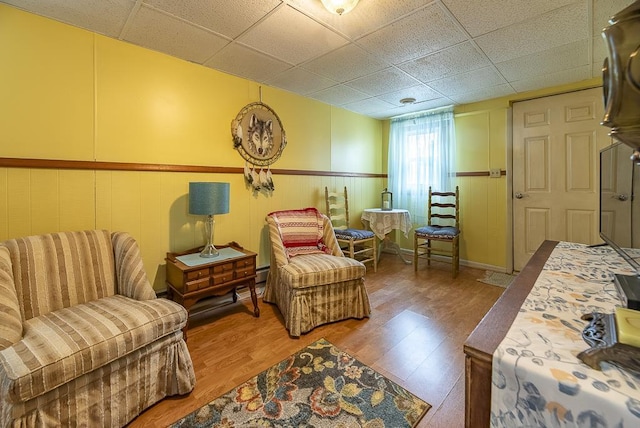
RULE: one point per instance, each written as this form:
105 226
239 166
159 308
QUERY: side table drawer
195 275
222 278
244 272
198 284
227 267
246 263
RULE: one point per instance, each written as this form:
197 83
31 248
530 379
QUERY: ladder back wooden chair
358 244
443 217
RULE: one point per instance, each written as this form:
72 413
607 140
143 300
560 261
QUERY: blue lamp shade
208 198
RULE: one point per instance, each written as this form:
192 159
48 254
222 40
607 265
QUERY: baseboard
475 265
261 274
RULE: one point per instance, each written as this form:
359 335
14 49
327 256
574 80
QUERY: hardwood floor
418 324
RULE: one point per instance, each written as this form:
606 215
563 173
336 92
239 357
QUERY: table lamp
208 199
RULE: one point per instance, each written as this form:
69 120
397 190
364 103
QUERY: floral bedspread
538 380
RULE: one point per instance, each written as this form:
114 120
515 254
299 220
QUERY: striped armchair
83 339
310 279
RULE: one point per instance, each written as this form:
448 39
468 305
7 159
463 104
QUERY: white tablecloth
537 379
382 222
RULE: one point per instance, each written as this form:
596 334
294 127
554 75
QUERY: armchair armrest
10 316
278 254
130 275
329 237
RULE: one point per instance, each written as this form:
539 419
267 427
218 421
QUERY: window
421 154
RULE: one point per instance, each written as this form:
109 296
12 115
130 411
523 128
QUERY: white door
556 144
617 194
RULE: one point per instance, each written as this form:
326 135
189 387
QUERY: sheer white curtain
421 154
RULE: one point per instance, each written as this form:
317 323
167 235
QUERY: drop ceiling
439 52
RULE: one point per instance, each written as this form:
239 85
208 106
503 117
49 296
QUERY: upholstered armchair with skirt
83 339
310 279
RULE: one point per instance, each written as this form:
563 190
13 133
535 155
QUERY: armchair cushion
312 270
58 270
10 319
301 231
70 342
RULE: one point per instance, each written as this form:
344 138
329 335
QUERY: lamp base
209 251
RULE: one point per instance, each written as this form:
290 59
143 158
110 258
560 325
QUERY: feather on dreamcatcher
258 180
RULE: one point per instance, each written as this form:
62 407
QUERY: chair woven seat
354 234
447 232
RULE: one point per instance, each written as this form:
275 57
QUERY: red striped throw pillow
301 231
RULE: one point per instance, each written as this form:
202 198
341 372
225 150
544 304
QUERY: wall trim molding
126 166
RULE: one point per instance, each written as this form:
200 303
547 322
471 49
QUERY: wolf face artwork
260 136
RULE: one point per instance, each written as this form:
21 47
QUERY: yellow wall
71 94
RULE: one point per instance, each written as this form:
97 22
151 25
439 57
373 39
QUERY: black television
620 214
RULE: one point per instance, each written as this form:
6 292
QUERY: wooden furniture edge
489 333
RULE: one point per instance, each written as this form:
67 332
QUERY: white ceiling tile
421 33
563 26
292 37
419 92
605 9
385 81
300 81
346 63
549 61
155 30
104 17
553 79
480 17
367 17
244 62
467 82
339 95
453 60
367 106
217 15
483 93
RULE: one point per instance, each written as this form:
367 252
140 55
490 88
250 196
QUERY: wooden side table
188 284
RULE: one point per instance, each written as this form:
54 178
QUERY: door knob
621 197
519 195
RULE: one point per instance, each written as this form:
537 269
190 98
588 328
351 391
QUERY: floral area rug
319 386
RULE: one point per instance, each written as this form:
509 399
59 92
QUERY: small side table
187 282
382 222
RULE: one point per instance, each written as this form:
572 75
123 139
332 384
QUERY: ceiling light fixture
405 101
339 7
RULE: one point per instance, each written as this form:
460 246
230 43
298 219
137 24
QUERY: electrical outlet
495 173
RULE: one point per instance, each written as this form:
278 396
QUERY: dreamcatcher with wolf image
259 137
